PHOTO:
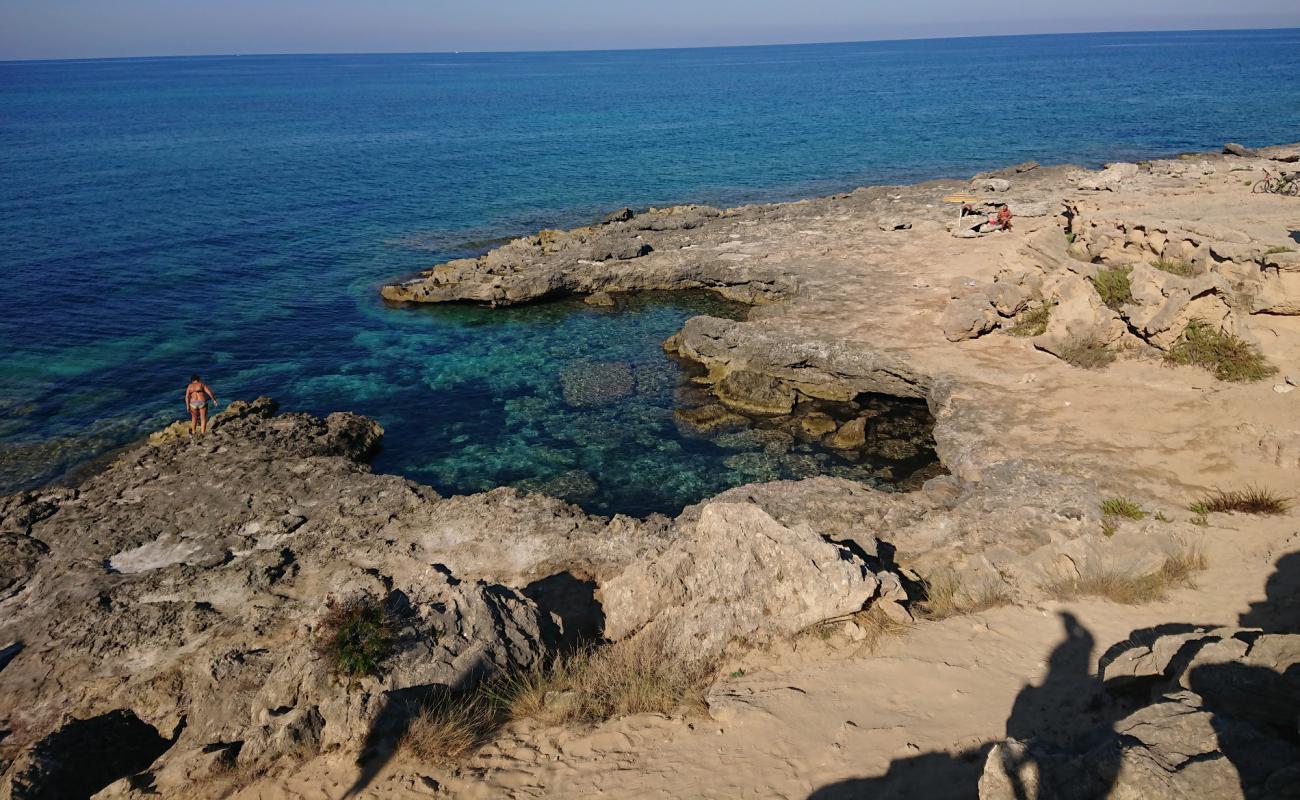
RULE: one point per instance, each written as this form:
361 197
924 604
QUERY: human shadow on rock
1063 711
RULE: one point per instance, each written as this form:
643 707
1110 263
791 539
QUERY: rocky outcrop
814 368
628 252
735 574
184 589
1222 722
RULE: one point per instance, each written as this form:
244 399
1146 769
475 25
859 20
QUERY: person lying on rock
197 395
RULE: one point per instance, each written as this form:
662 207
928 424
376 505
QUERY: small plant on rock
1252 500
1179 268
1114 286
356 636
1121 507
1033 321
1278 248
1086 353
1228 357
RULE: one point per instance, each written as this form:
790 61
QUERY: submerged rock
597 383
755 393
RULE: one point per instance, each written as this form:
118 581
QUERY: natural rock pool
582 403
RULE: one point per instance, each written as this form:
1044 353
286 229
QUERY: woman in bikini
197 395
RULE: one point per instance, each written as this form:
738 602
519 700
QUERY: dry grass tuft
1133 589
1086 353
947 596
1032 322
875 626
448 730
1251 500
1228 357
632 676
586 687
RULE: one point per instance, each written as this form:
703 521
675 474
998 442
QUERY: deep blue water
235 215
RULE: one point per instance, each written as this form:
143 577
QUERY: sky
32 29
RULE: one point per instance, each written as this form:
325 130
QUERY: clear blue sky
100 28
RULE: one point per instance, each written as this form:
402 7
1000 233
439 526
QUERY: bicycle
1283 184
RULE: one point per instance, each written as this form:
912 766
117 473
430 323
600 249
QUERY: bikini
197 399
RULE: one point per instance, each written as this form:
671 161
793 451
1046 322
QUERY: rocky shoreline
174 603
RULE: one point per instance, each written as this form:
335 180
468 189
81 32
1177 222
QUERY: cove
582 403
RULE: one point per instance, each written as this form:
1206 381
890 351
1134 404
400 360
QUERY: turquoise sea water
234 216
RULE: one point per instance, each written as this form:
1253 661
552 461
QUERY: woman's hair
194 377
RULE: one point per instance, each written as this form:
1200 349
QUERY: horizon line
269 54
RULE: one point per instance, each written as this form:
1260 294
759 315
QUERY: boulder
736 573
755 393
968 317
991 185
1008 298
622 215
850 436
1234 149
1110 179
709 417
601 299
894 224
817 425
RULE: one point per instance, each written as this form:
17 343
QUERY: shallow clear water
234 216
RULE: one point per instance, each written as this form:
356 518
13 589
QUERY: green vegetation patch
1121 507
1180 268
1114 286
356 636
1033 321
1228 357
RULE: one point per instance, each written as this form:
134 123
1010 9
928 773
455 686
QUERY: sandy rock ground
915 717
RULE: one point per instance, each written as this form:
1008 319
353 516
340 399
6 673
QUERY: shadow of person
1279 611
1254 708
933 776
1054 717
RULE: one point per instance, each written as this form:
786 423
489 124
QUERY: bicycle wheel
1263 187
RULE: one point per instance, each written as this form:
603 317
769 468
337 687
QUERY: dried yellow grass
947 595
1129 588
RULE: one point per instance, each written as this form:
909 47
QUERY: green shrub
1114 286
1033 321
1121 507
1086 353
1179 268
1228 357
356 636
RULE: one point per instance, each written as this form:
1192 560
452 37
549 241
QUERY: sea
235 216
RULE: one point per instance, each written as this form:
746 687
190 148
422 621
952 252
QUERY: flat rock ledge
659 249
